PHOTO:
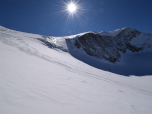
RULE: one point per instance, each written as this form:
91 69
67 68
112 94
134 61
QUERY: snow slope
40 78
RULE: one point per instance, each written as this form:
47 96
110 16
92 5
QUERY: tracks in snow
90 75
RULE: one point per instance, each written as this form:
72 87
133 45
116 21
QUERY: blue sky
42 17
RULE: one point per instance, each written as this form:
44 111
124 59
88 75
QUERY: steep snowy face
107 45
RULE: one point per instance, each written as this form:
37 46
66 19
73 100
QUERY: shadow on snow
131 64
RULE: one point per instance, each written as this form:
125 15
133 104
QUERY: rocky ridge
108 47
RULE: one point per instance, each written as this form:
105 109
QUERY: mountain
108 45
87 73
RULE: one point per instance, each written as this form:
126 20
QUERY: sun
72 7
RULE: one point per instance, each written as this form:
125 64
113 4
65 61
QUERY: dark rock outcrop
106 46
98 46
123 40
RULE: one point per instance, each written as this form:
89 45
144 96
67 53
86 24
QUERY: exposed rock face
98 46
106 46
123 40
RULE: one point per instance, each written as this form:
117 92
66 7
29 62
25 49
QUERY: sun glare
72 7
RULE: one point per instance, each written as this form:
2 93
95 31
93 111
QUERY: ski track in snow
24 47
90 75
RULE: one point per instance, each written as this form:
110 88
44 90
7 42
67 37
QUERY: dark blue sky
41 17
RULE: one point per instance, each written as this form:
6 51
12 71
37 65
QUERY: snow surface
37 79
